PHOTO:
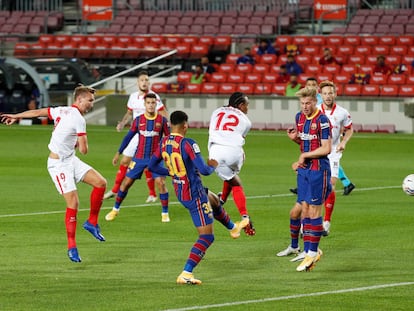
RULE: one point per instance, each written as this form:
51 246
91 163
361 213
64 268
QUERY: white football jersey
136 103
339 118
69 124
228 126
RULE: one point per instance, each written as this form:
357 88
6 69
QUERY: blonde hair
327 83
82 90
307 92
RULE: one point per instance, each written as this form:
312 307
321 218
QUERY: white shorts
334 159
230 160
130 150
67 173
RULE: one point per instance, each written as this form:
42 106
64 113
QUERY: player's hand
120 126
8 119
292 133
212 162
115 159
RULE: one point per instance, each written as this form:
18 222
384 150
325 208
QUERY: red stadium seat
317 40
279 89
370 90
381 49
192 88
324 76
244 68
235 77
226 67
398 79
268 59
313 69
371 59
345 50
332 69
253 78
348 69
231 58
184 76
283 40
183 50
369 40
352 40
356 59
362 50
393 59
21 49
247 88
190 40
406 91
263 88
398 50
366 68
405 40
410 79
209 88
303 59
378 79
389 90
269 78
218 77
352 90
334 40
260 68
221 43
226 88
341 78
311 49
300 40
198 51
159 87
386 40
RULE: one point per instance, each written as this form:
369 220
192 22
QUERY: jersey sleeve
193 151
325 127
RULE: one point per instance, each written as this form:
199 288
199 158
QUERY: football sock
306 234
164 202
121 195
150 183
329 206
343 178
221 215
315 229
226 191
70 222
120 175
96 203
198 250
294 232
240 199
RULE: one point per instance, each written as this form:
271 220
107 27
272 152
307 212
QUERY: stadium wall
269 109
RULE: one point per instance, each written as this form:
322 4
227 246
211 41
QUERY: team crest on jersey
313 126
196 148
158 125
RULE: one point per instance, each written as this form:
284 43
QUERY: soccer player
313 134
149 127
65 168
184 163
346 182
135 107
341 121
229 126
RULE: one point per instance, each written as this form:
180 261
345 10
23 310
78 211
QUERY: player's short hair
150 95
237 98
307 92
82 90
327 83
312 79
142 73
178 117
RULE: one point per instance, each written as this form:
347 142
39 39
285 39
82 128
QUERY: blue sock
342 176
294 232
121 195
221 215
198 250
316 230
164 202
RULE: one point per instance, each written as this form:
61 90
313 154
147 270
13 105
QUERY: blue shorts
313 186
136 168
200 211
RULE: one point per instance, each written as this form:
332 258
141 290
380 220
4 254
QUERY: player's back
228 126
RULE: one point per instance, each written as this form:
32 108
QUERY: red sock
70 222
120 175
150 183
96 203
240 199
329 206
226 191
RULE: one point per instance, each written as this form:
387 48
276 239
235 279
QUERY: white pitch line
175 203
333 292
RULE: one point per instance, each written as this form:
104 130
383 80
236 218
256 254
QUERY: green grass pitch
367 262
